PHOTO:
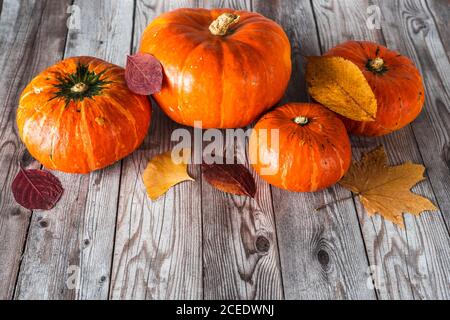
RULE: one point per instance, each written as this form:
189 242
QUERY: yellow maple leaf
385 189
162 173
339 85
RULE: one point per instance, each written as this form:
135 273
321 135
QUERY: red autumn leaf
231 178
143 74
36 189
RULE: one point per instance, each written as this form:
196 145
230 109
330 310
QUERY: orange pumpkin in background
222 67
395 81
78 115
313 150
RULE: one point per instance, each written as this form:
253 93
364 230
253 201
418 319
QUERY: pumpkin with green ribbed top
78 116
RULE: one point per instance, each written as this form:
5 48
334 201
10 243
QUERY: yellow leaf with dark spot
162 173
385 189
340 86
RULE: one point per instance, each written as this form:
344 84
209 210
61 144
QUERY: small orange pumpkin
395 81
313 150
78 115
222 67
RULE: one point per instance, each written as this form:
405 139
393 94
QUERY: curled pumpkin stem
220 26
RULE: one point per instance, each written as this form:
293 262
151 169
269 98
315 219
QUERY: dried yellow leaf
162 173
385 189
340 85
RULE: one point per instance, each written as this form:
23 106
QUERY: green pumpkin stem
74 87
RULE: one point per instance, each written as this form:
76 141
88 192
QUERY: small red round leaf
143 74
36 189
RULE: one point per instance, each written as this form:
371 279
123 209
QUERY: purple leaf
143 74
36 189
231 178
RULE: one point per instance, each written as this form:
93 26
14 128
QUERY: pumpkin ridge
86 138
234 53
127 115
180 77
52 143
221 108
260 59
113 132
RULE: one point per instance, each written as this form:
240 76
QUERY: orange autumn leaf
385 189
339 85
162 173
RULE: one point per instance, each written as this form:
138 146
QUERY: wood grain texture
322 253
28 43
417 36
240 250
432 128
440 14
403 262
106 239
69 249
158 249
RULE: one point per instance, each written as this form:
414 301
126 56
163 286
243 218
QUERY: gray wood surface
69 249
398 254
106 240
158 249
27 36
322 253
236 265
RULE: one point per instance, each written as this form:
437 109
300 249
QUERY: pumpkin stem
376 65
301 120
79 87
220 26
80 84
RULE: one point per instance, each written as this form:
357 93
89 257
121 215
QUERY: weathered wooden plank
28 43
403 261
240 250
440 13
69 249
322 254
432 129
417 36
158 249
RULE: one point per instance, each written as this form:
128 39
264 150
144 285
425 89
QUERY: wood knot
419 25
323 258
262 244
15 212
43 223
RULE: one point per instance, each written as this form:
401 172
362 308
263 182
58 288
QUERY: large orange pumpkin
395 81
313 150
222 67
78 115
